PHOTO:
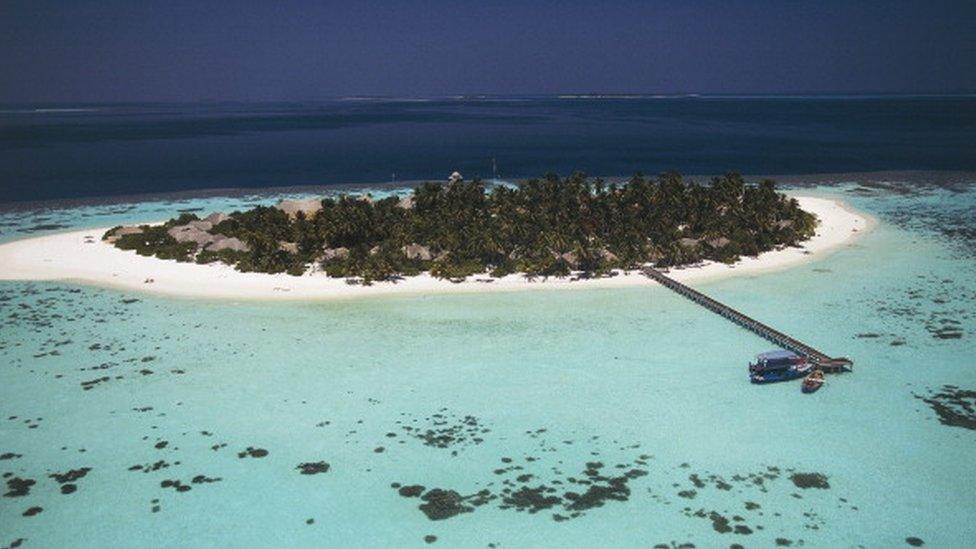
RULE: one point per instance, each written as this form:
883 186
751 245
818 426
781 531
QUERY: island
543 234
543 227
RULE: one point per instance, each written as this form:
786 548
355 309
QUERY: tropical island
547 227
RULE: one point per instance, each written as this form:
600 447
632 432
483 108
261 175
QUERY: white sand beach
82 257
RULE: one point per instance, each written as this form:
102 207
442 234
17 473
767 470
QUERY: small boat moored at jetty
813 382
779 365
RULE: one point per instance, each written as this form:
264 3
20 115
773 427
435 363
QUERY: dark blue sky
107 50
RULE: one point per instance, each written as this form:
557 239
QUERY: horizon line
476 96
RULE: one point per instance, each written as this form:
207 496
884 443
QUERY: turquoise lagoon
551 418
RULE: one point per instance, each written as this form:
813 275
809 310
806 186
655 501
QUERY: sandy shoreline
81 257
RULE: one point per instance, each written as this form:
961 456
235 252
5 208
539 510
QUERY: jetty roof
778 354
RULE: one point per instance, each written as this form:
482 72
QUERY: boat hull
812 383
811 387
775 376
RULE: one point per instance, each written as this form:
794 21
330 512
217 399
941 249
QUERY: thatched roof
221 243
291 207
216 218
122 231
571 258
334 253
416 251
189 233
202 224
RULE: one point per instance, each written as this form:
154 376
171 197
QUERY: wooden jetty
822 360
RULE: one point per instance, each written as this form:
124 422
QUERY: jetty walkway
822 360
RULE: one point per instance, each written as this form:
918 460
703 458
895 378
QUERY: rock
186 233
328 254
570 258
456 177
309 207
406 202
289 247
221 243
416 251
719 242
688 242
216 218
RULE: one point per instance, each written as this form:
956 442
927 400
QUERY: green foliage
229 257
546 227
111 232
183 219
153 241
455 269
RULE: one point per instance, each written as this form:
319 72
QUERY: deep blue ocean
69 151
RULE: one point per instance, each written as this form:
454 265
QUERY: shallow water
629 408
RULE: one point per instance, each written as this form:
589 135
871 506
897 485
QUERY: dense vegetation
544 227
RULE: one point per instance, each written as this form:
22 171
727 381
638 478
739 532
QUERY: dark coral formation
955 407
73 475
412 491
18 487
253 452
180 487
313 468
445 430
934 307
810 480
443 504
523 494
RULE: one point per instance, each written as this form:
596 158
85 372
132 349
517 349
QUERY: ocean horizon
101 150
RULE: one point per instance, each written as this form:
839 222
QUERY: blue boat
778 365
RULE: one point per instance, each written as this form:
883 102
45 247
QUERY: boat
778 365
813 382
